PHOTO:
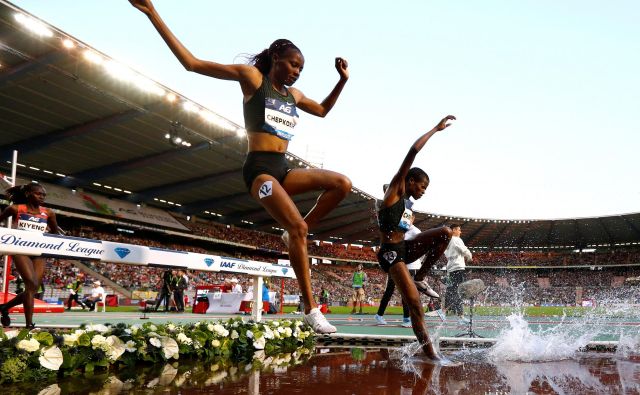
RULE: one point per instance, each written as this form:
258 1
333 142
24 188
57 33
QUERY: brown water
333 371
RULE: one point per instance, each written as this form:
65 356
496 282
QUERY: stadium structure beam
550 232
31 145
370 233
165 189
89 175
606 230
632 226
212 204
258 211
269 221
498 235
475 233
579 239
343 228
29 66
523 236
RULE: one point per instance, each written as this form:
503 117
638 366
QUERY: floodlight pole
5 276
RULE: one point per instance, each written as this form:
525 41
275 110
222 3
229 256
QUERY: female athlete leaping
270 113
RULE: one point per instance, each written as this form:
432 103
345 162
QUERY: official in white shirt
457 256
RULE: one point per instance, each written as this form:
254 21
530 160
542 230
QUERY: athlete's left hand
341 66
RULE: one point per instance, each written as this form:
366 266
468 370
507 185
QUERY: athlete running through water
394 219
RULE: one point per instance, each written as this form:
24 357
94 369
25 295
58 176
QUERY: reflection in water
333 371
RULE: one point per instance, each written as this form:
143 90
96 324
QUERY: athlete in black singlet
394 216
270 111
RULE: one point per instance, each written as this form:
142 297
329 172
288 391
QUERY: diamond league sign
20 242
41 244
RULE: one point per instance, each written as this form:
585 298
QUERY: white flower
115 348
215 343
234 334
182 338
210 327
97 328
70 339
51 358
135 328
153 328
128 331
275 323
155 342
79 332
169 347
99 341
259 343
30 345
220 330
288 332
171 327
130 346
250 334
268 333
11 334
259 355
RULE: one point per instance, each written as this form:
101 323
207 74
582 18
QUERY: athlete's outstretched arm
396 188
235 72
322 109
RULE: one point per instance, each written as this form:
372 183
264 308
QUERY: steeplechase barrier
20 242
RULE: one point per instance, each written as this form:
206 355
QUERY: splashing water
407 356
519 343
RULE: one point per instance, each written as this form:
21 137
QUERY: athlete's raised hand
443 124
342 67
143 5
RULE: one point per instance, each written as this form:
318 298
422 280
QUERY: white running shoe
406 323
423 286
318 322
285 238
380 320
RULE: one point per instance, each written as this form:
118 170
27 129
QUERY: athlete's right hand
143 5
442 125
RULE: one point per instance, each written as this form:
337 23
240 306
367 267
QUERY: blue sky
547 93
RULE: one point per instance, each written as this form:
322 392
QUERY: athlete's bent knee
30 286
299 230
343 184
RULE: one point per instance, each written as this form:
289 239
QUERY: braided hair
264 59
18 194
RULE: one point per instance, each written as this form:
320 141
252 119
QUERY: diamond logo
122 252
284 270
390 256
208 261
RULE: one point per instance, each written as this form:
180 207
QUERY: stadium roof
80 119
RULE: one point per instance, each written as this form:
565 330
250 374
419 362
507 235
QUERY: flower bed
34 355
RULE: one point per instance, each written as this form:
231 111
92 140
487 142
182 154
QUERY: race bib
280 118
405 220
32 223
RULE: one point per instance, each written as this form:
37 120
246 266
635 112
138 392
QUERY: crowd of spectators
545 286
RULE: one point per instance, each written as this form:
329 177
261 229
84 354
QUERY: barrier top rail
20 242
